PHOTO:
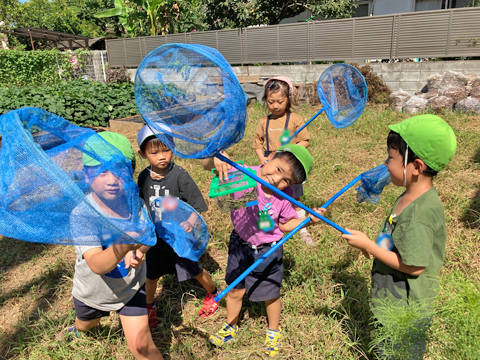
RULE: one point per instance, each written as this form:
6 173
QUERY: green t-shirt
419 236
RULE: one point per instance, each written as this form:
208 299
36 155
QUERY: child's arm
259 142
293 223
304 143
221 168
188 225
263 159
102 261
136 258
361 241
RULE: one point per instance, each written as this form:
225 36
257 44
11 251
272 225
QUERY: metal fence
438 33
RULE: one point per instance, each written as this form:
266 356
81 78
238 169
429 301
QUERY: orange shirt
275 131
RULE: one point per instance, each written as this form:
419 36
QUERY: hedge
40 67
85 103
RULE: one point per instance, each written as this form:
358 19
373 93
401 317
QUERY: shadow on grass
471 214
50 281
353 312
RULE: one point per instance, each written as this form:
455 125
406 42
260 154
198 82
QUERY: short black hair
298 170
153 141
396 142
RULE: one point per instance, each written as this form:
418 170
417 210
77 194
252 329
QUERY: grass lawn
325 289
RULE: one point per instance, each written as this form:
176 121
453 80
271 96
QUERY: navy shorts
297 190
264 282
137 306
162 260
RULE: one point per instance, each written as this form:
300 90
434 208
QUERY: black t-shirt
178 183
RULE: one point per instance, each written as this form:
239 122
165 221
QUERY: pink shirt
245 220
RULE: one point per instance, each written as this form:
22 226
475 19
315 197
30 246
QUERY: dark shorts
297 190
162 260
264 282
137 306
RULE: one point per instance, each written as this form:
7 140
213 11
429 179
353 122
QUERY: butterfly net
180 226
373 182
63 184
191 99
343 93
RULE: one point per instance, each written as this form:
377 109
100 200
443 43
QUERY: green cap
96 145
302 155
430 138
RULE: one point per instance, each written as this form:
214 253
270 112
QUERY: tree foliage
221 14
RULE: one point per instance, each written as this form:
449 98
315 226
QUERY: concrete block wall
408 76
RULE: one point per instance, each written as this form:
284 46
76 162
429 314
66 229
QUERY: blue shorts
264 282
137 306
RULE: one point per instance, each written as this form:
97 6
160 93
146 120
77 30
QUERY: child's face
277 103
159 156
395 165
278 173
106 185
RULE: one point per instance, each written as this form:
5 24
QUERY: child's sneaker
226 333
307 238
152 315
68 334
271 342
210 306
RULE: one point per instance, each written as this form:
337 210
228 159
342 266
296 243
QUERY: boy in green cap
290 165
111 278
410 246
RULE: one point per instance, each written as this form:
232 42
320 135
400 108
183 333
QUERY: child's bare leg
234 305
306 237
139 338
83 326
206 280
274 308
150 289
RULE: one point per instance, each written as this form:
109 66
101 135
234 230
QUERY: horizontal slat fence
439 33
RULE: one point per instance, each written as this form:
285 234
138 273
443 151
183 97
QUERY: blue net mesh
48 194
180 226
343 93
190 96
373 182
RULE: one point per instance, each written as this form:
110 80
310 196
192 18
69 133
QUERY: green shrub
42 67
84 103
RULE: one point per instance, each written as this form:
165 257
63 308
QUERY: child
110 278
290 165
278 97
408 270
162 178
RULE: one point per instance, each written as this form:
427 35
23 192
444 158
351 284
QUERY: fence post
103 67
449 32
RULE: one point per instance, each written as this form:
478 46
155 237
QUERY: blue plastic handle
304 125
282 194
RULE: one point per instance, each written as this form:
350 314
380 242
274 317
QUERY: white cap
143 133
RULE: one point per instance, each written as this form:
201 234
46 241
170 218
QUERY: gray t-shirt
110 291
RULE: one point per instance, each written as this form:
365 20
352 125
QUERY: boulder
453 79
440 104
457 93
431 94
475 93
397 99
469 105
475 81
415 105
433 82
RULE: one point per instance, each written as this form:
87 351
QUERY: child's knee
236 294
142 345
